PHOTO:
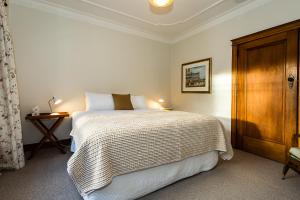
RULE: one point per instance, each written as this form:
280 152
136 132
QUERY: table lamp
54 101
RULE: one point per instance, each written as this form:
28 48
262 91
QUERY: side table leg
36 148
58 145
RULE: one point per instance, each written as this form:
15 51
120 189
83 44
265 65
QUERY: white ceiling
137 15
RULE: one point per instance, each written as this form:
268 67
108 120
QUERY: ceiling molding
222 18
59 10
85 17
149 22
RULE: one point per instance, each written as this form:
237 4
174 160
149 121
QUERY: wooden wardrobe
265 71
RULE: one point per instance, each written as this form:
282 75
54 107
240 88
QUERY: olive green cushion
295 153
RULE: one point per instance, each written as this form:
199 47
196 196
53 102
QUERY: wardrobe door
267 94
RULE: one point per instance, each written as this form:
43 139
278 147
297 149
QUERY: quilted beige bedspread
116 143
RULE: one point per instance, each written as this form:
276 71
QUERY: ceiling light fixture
161 3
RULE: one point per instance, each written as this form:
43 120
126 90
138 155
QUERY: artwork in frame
196 76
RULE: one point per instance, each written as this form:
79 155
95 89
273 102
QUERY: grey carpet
245 177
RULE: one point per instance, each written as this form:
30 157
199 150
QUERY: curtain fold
11 146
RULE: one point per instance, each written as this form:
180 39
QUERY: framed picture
196 76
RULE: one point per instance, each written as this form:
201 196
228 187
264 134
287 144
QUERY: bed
121 155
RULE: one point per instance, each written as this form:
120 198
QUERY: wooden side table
47 132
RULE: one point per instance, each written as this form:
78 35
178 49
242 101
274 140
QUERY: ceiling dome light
161 3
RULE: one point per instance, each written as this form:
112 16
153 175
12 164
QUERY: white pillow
138 102
95 101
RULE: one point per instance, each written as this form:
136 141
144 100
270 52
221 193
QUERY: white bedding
139 183
80 117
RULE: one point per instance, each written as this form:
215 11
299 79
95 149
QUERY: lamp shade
57 101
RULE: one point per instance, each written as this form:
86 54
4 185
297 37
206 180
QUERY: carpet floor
246 177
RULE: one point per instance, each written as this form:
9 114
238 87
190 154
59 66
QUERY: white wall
216 43
64 57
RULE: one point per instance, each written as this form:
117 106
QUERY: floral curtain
11 147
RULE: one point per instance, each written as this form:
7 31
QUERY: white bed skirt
140 183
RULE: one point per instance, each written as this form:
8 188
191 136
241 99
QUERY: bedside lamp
161 103
54 101
161 100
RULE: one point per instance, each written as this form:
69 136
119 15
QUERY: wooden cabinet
265 91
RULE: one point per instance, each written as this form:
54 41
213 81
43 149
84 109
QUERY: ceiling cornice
91 19
149 22
222 18
85 17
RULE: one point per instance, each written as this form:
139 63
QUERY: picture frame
196 76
